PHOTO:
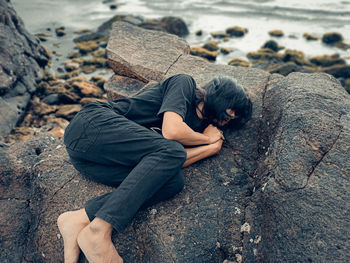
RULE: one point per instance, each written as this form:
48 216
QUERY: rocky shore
59 96
278 191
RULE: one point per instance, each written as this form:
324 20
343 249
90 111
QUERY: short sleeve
178 94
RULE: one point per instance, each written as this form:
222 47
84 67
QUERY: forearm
198 153
187 136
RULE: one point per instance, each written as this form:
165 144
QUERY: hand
213 133
216 146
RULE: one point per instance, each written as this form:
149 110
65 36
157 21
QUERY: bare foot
70 224
95 241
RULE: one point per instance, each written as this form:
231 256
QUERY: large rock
21 62
301 206
138 46
277 192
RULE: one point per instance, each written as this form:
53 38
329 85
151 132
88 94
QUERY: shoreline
82 68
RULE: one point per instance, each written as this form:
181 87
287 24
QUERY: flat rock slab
143 54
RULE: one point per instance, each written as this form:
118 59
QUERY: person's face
229 115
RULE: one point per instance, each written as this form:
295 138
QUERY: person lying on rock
139 145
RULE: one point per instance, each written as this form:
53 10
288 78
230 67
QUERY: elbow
170 134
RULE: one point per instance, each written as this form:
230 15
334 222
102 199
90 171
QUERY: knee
176 150
179 182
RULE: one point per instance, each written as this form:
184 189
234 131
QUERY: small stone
309 36
87 89
68 111
211 46
239 62
114 6
74 55
70 66
82 31
236 31
245 227
86 101
153 211
87 47
225 50
42 37
60 32
219 35
273 45
204 53
198 32
276 33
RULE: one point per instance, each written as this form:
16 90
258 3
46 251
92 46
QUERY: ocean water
293 17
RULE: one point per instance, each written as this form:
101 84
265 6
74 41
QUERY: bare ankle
100 227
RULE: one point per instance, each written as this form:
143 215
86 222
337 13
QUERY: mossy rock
86 101
98 80
74 55
198 32
273 45
87 47
78 60
327 60
342 45
88 69
42 36
211 46
60 32
70 66
264 54
219 35
236 31
96 61
276 33
331 38
204 53
239 62
225 50
68 111
298 57
100 53
287 68
309 36
87 89
347 85
114 6
82 31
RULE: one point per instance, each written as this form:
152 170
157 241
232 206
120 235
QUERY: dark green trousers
107 148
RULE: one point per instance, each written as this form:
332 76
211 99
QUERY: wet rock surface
277 192
20 67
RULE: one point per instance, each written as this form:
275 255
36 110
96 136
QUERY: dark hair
220 94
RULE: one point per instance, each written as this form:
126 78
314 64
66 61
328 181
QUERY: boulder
22 59
301 204
135 62
277 192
